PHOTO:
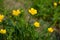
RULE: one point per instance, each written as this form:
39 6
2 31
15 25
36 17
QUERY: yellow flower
33 11
3 31
55 4
1 17
50 29
36 24
16 12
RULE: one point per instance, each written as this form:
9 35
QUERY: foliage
45 15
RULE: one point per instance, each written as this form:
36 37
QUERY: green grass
22 28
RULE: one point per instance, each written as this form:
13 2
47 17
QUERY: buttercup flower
16 12
33 11
50 29
36 24
3 31
55 4
1 17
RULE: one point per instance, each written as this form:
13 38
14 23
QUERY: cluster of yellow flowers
3 31
37 24
32 11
